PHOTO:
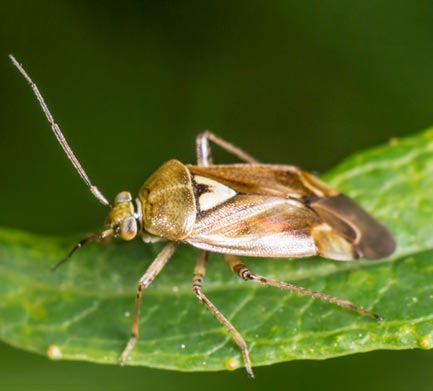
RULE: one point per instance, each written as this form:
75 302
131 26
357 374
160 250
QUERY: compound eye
128 228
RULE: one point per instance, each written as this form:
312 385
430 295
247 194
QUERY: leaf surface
84 310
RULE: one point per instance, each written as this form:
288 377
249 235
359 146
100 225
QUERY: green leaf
83 311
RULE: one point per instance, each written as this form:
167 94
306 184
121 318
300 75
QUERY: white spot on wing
217 193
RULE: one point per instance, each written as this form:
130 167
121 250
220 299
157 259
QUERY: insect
248 209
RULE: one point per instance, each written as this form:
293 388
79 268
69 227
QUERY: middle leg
197 284
204 153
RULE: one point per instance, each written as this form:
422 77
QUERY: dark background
131 83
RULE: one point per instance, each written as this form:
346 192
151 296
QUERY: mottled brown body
258 210
168 204
251 209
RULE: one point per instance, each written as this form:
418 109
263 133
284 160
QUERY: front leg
204 152
147 278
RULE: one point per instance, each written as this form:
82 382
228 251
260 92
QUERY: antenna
59 135
81 243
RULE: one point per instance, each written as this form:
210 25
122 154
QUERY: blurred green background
131 83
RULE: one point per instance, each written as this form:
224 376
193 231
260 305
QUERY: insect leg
204 153
147 278
197 284
242 271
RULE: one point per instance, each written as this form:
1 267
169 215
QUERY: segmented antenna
81 243
59 135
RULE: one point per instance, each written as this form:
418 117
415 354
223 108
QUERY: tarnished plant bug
249 209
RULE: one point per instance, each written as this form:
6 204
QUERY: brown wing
371 239
266 179
280 211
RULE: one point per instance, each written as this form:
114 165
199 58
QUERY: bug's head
123 219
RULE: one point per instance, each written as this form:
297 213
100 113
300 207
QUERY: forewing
264 226
370 239
280 211
266 179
